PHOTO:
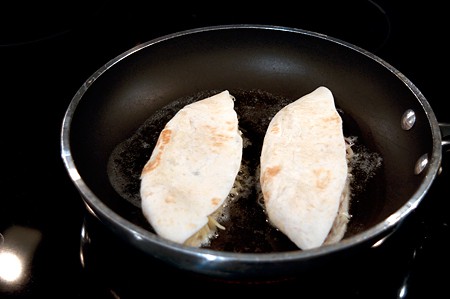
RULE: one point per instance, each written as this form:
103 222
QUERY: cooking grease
247 229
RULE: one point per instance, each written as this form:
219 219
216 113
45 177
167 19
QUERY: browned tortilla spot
165 136
333 118
218 144
169 199
215 201
275 129
231 126
163 139
270 173
322 177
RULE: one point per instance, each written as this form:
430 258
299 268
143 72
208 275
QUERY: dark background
48 50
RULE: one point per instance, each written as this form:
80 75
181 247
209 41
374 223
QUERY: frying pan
112 121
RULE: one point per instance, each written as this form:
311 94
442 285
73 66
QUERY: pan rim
102 211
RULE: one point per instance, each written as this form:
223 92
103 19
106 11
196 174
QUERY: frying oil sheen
243 216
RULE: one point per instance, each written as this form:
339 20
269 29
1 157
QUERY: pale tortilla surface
304 168
192 167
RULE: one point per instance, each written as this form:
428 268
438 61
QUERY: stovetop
47 53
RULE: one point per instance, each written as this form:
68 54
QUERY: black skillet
113 121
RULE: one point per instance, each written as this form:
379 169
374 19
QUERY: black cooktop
46 54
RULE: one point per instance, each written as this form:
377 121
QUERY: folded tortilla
192 169
304 171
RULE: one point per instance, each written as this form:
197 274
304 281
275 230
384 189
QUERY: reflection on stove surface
115 269
17 248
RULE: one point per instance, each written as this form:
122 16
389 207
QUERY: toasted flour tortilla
304 170
192 169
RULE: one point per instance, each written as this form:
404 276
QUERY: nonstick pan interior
264 67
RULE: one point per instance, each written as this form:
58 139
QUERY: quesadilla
304 172
192 170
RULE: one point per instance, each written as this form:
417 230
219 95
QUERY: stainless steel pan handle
445 131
